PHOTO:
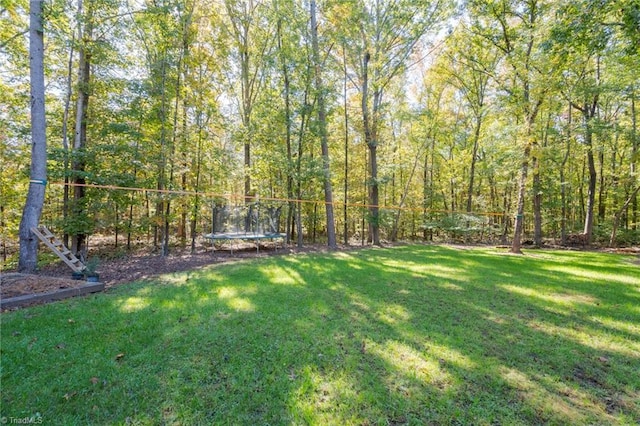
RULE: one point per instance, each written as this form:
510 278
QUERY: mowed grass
404 335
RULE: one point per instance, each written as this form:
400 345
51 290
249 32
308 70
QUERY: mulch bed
15 284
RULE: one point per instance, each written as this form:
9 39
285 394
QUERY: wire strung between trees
237 197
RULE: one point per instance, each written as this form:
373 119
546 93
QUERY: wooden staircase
58 248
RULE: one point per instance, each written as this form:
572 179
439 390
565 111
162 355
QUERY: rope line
237 197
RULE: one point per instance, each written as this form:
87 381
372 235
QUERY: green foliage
170 107
413 334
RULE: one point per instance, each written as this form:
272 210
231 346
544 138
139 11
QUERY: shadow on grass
410 335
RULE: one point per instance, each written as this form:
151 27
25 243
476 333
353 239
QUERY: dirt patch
15 284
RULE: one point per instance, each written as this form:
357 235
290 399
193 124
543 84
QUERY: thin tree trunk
287 118
183 175
506 208
364 201
299 235
196 202
537 202
589 111
322 122
563 184
591 190
370 135
346 149
472 167
4 241
80 139
634 157
602 191
516 244
425 196
65 141
116 217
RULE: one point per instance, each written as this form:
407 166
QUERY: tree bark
516 245
346 150
593 178
370 136
287 118
563 184
537 203
28 257
322 121
634 157
65 140
472 167
80 138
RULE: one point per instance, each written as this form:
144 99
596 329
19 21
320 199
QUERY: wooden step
58 248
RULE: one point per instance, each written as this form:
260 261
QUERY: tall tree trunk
162 166
516 244
602 190
196 202
593 178
322 121
184 175
634 156
472 167
506 209
65 140
172 150
364 201
28 257
563 184
287 119
303 119
425 196
80 138
537 202
346 149
370 137
589 110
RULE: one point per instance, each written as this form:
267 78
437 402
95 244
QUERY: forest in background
412 119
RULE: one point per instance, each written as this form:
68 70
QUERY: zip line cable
237 197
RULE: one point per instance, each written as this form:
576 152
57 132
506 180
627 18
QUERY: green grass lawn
405 335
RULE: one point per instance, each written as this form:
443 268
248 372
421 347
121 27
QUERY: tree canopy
484 120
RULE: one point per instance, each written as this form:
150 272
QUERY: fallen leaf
94 380
292 375
603 359
70 395
61 346
71 321
119 356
